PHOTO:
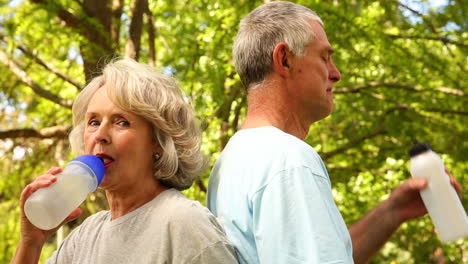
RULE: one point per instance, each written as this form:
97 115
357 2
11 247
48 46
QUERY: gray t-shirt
169 229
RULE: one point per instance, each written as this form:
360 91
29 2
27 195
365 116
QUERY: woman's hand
32 238
31 235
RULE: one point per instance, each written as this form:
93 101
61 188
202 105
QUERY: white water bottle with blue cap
47 207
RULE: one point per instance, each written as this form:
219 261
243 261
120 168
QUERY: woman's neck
122 202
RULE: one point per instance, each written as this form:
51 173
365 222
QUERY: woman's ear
282 59
157 150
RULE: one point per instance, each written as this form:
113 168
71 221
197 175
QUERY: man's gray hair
264 28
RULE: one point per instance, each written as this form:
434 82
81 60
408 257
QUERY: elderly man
270 189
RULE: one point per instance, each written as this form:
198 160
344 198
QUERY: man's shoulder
263 134
267 140
268 144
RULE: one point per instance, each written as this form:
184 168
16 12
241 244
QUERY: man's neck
263 121
274 108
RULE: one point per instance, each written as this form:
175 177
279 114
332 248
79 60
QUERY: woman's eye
124 123
93 123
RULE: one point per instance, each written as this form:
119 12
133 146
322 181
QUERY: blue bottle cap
95 164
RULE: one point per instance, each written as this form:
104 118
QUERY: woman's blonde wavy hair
139 89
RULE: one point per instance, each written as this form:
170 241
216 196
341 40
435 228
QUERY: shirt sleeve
199 237
293 220
219 252
65 252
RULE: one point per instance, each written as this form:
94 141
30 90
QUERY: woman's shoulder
94 221
178 206
192 221
182 213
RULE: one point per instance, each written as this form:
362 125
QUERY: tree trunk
99 49
132 49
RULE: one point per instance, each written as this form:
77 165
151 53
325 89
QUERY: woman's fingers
72 216
42 181
54 170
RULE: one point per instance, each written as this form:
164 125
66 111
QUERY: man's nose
334 73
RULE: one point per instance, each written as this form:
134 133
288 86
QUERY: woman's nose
102 134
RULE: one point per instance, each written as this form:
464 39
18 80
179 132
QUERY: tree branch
435 30
452 91
117 8
237 113
68 18
49 67
132 49
438 38
445 111
421 15
49 132
24 77
94 25
381 130
80 3
371 85
151 38
201 185
378 131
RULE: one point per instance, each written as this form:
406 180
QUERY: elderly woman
138 122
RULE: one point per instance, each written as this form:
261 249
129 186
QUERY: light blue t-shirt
272 193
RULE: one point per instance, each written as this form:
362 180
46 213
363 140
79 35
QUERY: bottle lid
95 164
418 148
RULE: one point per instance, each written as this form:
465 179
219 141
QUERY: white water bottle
47 207
440 198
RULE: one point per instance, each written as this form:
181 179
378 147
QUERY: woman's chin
104 184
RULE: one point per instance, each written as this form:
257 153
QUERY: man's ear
282 59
